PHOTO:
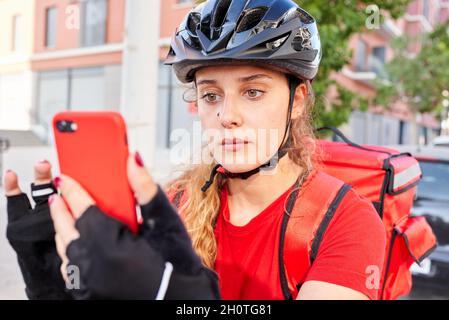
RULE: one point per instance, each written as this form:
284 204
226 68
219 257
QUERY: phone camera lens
62 126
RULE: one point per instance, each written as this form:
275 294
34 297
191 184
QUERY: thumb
11 184
140 180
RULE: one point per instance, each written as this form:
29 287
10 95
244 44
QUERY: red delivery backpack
384 176
388 179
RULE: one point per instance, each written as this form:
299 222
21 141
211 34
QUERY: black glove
158 263
165 232
31 234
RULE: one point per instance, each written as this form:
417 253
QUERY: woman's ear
299 100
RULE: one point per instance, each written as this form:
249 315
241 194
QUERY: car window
435 182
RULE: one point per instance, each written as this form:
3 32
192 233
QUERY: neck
251 196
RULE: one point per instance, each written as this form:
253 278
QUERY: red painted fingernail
57 182
51 199
44 161
138 159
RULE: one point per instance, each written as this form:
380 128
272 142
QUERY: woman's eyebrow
244 79
255 77
206 81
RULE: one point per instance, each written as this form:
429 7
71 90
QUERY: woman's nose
229 115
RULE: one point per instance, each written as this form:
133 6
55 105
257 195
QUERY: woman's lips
234 144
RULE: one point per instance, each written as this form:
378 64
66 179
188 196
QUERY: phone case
95 154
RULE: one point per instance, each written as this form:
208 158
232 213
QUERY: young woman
251 64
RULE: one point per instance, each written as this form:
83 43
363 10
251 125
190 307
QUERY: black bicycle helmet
276 33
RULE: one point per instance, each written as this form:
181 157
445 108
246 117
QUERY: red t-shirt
247 256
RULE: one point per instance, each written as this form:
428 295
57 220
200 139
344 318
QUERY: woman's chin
236 168
238 162
239 167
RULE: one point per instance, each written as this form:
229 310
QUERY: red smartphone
92 148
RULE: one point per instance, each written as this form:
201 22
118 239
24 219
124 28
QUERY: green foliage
337 21
419 80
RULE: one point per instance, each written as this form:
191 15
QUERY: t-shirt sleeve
352 250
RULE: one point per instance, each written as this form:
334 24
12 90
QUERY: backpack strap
326 220
307 216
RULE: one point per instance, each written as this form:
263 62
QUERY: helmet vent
192 23
277 42
171 52
297 13
250 18
220 13
302 40
305 17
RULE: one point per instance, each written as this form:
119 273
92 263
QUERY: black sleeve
31 234
165 231
113 263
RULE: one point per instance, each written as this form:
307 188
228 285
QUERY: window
52 88
95 88
173 112
433 186
360 62
93 20
87 88
426 9
17 33
378 60
50 27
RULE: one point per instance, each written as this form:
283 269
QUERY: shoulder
357 212
356 220
353 212
352 245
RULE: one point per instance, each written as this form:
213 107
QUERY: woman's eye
253 93
210 97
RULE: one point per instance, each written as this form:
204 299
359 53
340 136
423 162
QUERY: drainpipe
139 87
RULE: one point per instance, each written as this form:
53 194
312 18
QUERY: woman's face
243 112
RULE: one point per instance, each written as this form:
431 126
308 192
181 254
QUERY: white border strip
70 53
165 281
358 75
77 52
42 192
419 18
406 176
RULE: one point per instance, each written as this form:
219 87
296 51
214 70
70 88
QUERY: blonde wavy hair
200 210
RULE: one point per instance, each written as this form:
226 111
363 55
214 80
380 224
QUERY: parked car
432 201
442 141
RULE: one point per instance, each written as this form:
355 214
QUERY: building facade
372 50
16 76
67 54
77 57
